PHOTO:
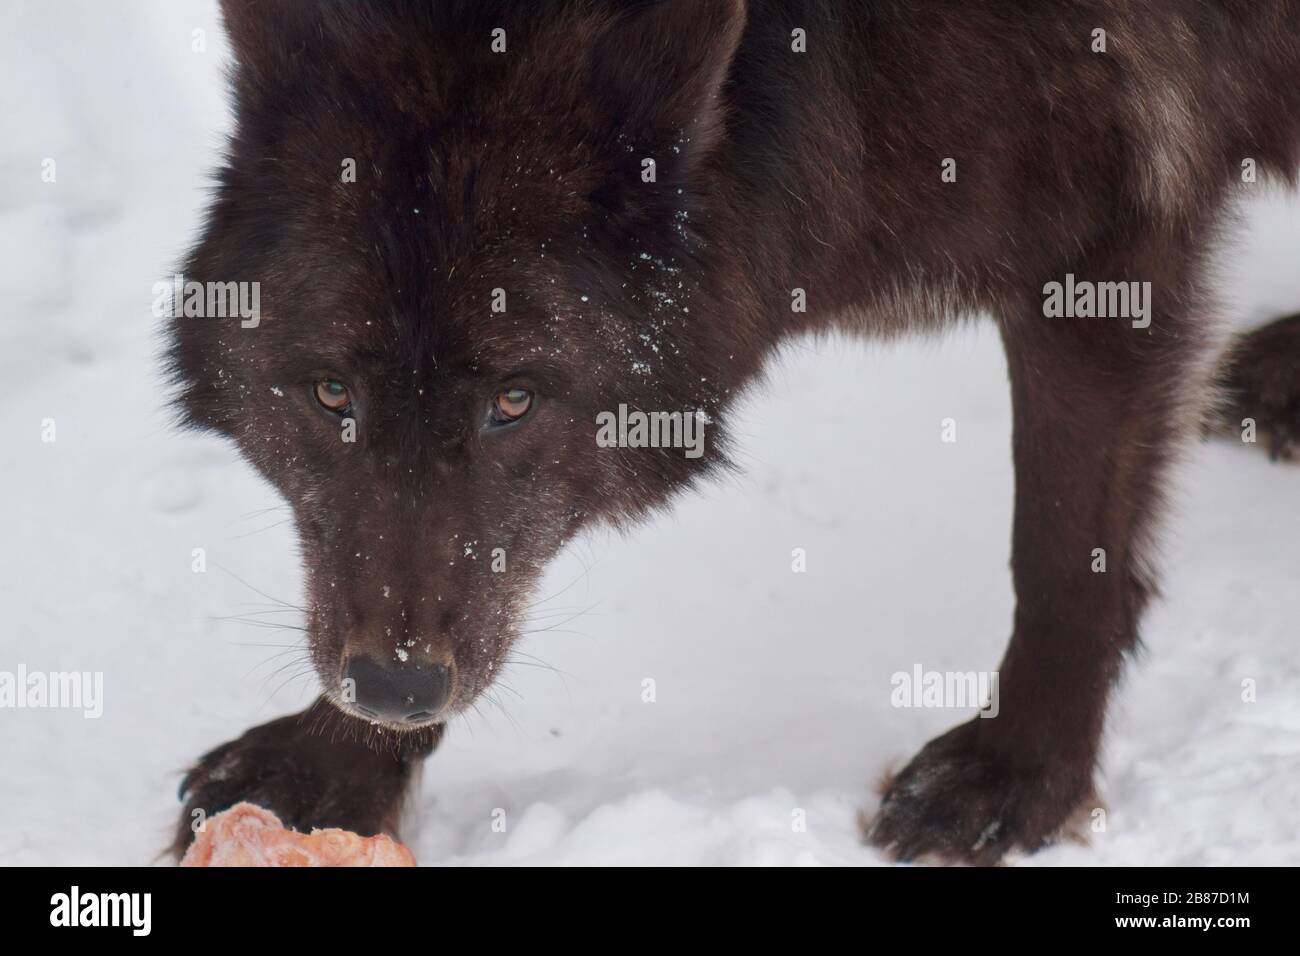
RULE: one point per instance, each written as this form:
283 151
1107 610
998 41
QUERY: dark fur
776 170
1259 383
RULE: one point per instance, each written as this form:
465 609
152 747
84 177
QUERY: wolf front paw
958 803
315 769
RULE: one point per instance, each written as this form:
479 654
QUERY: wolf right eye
333 394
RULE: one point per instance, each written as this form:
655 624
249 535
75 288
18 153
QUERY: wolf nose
407 693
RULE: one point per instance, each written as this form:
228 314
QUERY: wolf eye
510 405
333 394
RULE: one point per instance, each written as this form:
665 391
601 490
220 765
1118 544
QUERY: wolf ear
263 32
658 72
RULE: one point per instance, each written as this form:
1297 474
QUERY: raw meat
247 835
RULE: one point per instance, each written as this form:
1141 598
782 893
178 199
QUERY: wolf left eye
510 405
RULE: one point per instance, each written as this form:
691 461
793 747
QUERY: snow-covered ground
772 687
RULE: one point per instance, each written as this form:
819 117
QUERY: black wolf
479 226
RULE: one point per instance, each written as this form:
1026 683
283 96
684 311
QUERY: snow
770 689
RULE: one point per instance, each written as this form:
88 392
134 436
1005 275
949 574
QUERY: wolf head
475 227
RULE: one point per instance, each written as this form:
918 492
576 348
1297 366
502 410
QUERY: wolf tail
1259 389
